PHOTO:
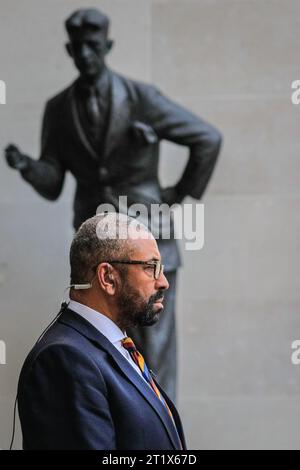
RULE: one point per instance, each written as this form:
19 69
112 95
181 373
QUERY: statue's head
88 41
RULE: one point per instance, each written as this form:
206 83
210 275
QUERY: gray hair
102 238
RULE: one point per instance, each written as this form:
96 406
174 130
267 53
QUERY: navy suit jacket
77 391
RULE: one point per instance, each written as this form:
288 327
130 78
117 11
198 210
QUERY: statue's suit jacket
125 164
77 391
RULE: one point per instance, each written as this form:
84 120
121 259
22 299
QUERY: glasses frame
158 267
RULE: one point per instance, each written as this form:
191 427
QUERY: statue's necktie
129 345
92 108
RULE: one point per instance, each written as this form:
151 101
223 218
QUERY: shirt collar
101 322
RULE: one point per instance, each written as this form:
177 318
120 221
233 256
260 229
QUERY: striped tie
129 345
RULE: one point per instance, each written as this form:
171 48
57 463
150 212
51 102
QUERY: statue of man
106 130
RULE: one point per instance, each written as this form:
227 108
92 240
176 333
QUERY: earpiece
80 286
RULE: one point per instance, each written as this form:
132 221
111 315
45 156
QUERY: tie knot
128 344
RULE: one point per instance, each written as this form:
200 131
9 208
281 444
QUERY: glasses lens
157 269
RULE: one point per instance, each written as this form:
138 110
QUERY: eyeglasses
156 265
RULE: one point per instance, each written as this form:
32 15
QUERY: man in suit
84 385
106 130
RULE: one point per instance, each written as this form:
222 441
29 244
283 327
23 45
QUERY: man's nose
85 51
162 282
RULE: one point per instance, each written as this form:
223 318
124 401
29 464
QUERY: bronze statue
106 130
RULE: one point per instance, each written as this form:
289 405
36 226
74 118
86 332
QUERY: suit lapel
175 416
75 321
119 114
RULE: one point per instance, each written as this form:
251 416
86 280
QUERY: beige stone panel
242 423
225 48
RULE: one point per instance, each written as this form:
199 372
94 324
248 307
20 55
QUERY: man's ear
69 50
109 45
106 278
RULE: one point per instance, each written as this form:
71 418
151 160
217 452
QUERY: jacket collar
119 115
75 321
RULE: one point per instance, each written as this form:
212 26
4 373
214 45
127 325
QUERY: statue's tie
129 345
93 110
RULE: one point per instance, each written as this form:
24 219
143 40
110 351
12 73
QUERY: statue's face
88 51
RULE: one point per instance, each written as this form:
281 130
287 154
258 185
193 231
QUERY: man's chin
149 321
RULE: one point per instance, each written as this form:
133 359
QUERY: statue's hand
144 133
15 158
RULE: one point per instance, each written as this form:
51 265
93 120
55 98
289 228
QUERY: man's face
88 51
140 298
